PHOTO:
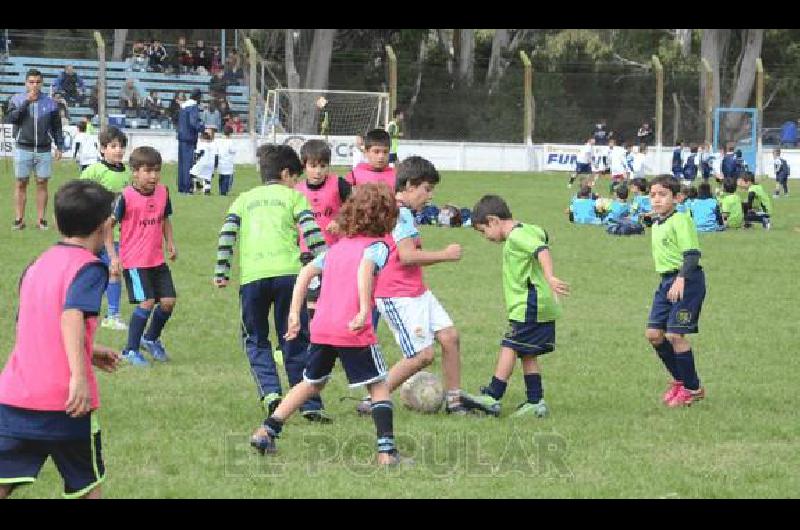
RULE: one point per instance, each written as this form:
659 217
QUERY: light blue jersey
617 212
583 211
640 205
704 214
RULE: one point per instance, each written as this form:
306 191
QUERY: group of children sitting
710 213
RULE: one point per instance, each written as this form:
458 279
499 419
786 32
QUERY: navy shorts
581 169
79 461
682 316
530 338
677 173
363 365
151 283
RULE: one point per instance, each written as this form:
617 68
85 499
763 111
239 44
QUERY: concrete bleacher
13 69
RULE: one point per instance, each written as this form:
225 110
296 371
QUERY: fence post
101 79
659 70
529 104
392 80
251 109
676 122
707 96
759 111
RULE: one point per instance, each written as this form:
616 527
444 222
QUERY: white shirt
204 167
616 161
585 156
638 165
227 154
87 153
599 152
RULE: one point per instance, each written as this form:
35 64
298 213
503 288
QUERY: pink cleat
685 397
672 391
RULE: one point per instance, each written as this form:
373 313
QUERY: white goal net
345 113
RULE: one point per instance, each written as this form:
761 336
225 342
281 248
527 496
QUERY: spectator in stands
218 86
154 108
70 84
212 117
216 61
789 134
157 56
189 127
234 123
182 62
139 56
645 134
233 68
600 133
129 98
94 102
201 56
175 107
63 109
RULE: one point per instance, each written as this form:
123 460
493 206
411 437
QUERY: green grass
180 430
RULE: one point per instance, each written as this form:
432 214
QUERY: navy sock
496 388
533 387
160 318
667 355
136 328
274 426
113 293
382 415
685 363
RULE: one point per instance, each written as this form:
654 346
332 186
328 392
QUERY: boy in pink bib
340 326
376 168
143 212
48 391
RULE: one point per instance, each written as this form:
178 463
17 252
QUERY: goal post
740 127
345 112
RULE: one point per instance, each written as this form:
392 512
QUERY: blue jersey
682 207
690 167
640 205
583 211
729 166
704 214
617 211
677 160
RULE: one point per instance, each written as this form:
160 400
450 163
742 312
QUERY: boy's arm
310 230
72 330
225 243
546 261
168 237
298 297
366 275
409 254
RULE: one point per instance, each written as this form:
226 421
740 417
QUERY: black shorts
530 338
151 283
363 365
392 157
582 169
679 317
79 462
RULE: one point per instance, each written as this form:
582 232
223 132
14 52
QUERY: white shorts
414 320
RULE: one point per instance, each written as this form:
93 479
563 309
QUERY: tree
316 72
118 52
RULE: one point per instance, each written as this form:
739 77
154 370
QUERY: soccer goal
738 126
323 112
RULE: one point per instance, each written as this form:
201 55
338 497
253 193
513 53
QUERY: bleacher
13 69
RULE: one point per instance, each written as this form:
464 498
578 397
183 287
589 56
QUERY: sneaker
475 404
135 358
18 224
114 322
263 442
539 409
270 402
43 225
685 397
364 407
457 409
397 460
156 349
487 403
672 391
318 415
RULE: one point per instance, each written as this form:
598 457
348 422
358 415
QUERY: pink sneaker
685 397
672 391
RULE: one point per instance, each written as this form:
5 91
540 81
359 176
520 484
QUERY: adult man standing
37 124
189 127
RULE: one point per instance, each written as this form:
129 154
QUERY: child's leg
138 322
664 351
295 398
451 357
160 317
408 366
255 299
383 417
684 360
533 379
506 360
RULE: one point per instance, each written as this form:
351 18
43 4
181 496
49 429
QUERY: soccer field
180 430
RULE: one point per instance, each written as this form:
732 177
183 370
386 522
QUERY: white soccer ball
423 392
602 204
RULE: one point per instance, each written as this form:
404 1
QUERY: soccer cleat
114 322
135 358
318 415
539 409
18 224
487 403
672 391
474 404
271 402
457 409
685 397
263 442
364 407
43 225
156 349
395 460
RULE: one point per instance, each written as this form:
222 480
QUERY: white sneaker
115 323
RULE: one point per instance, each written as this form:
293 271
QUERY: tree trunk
466 57
499 43
118 52
288 116
418 85
684 38
752 41
712 46
447 48
317 71
519 38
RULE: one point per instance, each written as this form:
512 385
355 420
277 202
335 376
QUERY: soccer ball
422 392
602 204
